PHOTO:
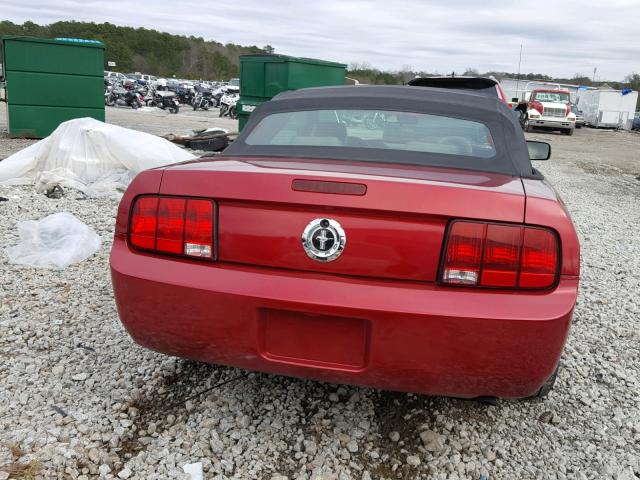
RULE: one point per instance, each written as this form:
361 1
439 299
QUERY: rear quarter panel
545 207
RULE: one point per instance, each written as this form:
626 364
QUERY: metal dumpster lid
58 41
269 57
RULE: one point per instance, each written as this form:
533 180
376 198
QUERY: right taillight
539 261
174 225
499 256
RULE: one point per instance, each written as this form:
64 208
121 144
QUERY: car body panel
545 207
394 228
390 193
414 336
377 315
401 244
552 123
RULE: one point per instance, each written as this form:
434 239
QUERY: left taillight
174 225
498 255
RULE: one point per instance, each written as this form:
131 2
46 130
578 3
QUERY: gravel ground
78 399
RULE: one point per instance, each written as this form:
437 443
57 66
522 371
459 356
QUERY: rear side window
375 129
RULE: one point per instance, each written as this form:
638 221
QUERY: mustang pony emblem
323 239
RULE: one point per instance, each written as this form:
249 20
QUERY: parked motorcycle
221 91
162 99
167 100
217 95
203 100
233 107
185 95
228 105
215 98
123 98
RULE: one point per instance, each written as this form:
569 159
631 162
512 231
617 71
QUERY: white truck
547 108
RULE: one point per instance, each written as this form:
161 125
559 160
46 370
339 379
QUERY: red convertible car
394 237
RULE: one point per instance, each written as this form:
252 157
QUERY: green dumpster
264 76
50 81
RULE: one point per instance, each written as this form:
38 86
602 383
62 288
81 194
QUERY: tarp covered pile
94 157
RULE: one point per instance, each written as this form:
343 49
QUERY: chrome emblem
323 239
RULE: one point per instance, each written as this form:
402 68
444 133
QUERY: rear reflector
174 225
500 256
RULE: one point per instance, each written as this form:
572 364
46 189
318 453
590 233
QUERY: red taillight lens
144 220
539 258
170 225
500 255
180 226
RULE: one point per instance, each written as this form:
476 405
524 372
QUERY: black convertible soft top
512 157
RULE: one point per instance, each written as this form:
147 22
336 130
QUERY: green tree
146 50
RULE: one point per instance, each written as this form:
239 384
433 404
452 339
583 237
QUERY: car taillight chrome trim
499 255
172 225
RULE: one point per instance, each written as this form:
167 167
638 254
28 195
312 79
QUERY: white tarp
54 241
88 155
194 469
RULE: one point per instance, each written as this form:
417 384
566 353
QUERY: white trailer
608 108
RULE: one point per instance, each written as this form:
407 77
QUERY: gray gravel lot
78 399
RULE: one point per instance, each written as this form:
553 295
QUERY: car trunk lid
394 216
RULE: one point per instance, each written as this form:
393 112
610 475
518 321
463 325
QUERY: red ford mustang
395 237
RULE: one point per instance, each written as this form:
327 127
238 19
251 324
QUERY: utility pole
518 78
595 69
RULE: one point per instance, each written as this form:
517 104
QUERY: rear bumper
551 123
393 335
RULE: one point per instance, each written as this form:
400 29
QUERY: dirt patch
166 407
22 471
599 169
18 469
173 391
402 413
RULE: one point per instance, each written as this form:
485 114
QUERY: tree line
148 51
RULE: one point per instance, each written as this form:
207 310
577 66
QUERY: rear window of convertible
375 129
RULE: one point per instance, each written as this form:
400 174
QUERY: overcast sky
560 38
